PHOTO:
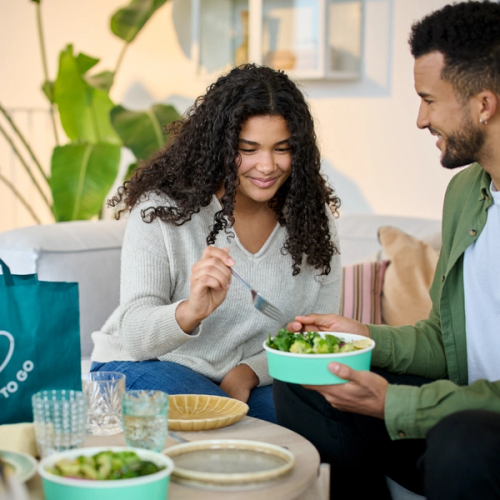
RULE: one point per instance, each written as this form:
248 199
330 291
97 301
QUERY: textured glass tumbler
59 419
145 419
103 392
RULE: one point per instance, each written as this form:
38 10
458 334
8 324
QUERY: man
430 419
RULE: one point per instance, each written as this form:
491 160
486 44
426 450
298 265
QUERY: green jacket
437 347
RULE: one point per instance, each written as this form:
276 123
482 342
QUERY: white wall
381 161
373 152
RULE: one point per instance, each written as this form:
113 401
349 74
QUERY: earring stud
483 122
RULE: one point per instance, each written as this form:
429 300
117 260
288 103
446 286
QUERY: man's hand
328 323
363 394
239 381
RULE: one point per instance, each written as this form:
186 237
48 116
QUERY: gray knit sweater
155 269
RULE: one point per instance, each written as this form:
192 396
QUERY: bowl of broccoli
106 473
303 358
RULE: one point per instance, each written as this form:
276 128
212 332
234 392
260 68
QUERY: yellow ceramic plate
193 412
229 463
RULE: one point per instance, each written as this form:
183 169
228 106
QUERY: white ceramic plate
24 465
229 463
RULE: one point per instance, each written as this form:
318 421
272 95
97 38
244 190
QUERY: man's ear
486 103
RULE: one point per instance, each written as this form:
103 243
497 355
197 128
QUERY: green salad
313 343
105 465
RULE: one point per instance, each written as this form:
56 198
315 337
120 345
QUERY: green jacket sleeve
428 347
436 347
410 412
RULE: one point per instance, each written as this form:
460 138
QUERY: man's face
459 138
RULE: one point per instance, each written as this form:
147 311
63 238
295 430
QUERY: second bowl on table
312 369
198 412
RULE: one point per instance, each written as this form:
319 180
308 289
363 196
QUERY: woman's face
266 161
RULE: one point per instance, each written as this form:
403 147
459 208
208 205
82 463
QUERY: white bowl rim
155 456
350 337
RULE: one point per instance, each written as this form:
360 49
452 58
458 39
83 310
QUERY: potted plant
83 169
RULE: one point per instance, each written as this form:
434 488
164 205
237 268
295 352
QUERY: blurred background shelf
309 39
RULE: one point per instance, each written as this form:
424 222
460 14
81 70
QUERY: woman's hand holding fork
210 280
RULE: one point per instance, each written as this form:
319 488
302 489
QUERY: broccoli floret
88 472
332 342
327 345
103 463
349 347
68 468
136 469
84 459
310 337
306 343
300 346
321 346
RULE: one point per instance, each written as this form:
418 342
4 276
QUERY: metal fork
259 302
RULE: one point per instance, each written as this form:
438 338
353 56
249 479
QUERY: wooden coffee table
303 483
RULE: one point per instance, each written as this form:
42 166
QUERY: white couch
88 252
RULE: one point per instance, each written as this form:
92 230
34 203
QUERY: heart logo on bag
10 351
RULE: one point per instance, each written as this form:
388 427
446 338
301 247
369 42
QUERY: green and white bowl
312 369
151 487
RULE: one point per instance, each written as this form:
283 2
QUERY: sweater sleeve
148 327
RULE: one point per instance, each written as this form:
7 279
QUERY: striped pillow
362 291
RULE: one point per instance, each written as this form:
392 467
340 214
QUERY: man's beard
463 147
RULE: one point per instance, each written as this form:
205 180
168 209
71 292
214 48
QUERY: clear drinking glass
103 392
145 419
59 418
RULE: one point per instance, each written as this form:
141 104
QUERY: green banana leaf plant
83 170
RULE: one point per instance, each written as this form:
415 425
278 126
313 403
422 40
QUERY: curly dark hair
202 155
468 35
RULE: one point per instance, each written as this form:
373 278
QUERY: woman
238 184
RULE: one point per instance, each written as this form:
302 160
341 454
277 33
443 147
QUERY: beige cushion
405 297
19 438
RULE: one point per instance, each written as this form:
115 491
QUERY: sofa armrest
86 252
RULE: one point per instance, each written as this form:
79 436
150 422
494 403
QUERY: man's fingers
294 326
343 372
306 320
320 322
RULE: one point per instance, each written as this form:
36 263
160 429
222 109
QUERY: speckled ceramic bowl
199 412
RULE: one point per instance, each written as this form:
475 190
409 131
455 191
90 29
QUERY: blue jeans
173 378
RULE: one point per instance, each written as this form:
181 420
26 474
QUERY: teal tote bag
39 341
